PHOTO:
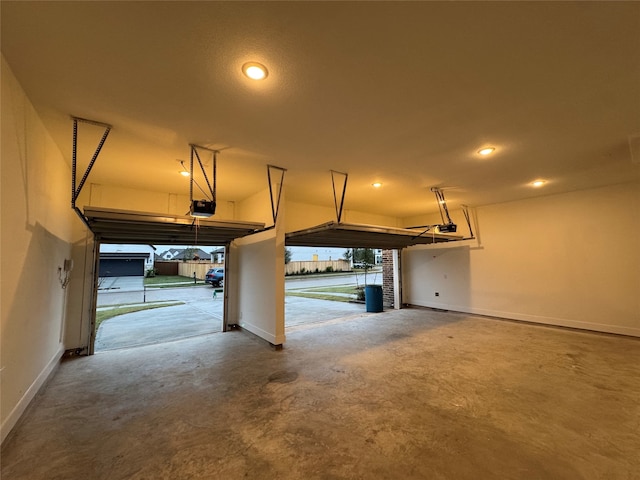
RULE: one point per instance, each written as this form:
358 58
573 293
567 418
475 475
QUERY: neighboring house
190 253
125 260
179 254
217 255
169 254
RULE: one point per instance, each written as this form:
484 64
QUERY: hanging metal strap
214 158
427 228
465 211
442 205
275 203
339 206
75 191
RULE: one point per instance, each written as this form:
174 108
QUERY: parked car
362 265
215 276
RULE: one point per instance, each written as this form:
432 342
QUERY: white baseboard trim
269 337
555 321
29 395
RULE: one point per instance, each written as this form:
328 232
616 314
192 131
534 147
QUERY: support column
391 279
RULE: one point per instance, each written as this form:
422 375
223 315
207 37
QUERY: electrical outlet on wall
437 294
68 265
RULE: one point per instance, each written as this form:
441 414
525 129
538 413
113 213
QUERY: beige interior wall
302 215
36 237
354 216
256 208
570 259
256 286
121 198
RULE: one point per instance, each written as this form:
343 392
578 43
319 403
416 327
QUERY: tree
188 253
287 255
364 256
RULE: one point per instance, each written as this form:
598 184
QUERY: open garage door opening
150 294
181 290
324 284
371 249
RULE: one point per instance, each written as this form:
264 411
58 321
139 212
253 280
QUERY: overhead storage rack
128 227
351 235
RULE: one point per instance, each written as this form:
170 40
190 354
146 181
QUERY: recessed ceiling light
486 150
184 172
376 185
255 71
538 183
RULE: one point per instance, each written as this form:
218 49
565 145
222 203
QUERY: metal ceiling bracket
442 205
207 206
465 211
214 158
427 228
339 206
76 190
447 224
275 203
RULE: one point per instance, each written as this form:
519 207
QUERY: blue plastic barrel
373 298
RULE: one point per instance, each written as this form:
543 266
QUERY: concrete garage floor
407 394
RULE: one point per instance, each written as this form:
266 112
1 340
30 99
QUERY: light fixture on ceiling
184 172
255 71
538 183
376 185
486 151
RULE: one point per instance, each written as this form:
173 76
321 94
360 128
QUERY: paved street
202 313
326 280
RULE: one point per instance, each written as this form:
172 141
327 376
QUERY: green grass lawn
337 289
102 315
318 296
173 280
324 293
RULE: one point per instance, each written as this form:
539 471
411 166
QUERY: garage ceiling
402 93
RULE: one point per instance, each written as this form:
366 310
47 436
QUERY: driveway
200 314
159 325
121 284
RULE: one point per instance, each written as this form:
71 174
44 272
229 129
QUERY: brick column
387 278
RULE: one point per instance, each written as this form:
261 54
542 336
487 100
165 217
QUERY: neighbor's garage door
121 267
